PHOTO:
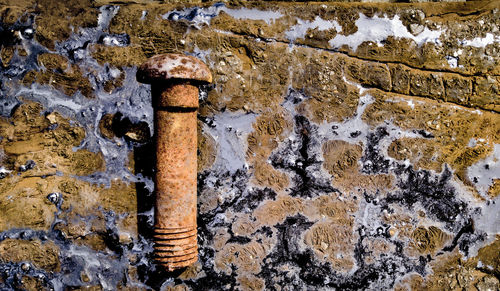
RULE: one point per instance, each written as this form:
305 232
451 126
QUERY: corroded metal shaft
174 79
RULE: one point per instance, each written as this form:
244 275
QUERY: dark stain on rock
264 230
17 64
120 126
355 134
373 161
20 63
287 251
424 133
253 198
213 280
237 238
298 158
465 237
313 274
29 165
73 260
434 192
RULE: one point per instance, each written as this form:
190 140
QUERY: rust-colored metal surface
173 81
182 94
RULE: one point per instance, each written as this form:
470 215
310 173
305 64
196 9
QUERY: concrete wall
341 146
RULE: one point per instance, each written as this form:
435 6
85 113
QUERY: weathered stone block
426 84
400 76
486 93
457 89
369 74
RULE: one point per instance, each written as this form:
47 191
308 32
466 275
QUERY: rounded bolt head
173 66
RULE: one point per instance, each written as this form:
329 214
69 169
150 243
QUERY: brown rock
486 93
250 282
106 126
321 77
488 283
428 240
53 62
270 128
445 122
420 152
41 255
400 76
32 284
69 81
341 157
118 56
369 74
490 256
6 54
23 203
341 161
426 84
457 89
54 21
207 150
330 240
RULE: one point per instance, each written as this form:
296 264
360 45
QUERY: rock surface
344 146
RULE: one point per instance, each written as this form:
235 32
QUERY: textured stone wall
343 146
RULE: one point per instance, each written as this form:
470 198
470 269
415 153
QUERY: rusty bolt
174 80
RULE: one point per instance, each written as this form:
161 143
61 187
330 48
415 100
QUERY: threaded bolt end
175 248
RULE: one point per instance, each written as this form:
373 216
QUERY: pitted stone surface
342 146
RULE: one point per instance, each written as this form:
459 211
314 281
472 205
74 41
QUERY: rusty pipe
174 79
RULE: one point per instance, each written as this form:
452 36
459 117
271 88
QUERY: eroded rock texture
342 146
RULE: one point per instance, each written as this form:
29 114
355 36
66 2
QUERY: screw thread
175 247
